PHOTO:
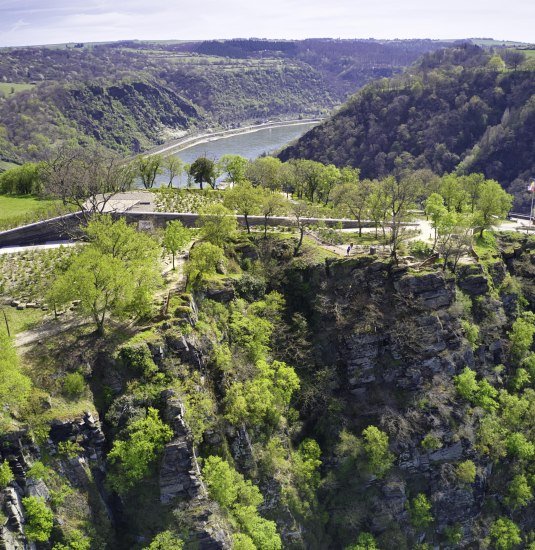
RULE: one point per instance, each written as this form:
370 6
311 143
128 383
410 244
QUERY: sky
30 22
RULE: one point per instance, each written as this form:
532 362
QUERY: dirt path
48 329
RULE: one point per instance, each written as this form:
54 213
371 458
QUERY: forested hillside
132 95
462 109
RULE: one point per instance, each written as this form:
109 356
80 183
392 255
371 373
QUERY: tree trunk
302 234
247 223
173 261
265 227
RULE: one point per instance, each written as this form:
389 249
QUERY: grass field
7 88
13 207
6 165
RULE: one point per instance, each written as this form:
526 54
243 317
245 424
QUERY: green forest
462 109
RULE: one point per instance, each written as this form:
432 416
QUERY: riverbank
188 141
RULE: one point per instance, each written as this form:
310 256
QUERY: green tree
242 542
166 540
73 384
263 399
272 203
244 199
203 260
466 472
148 168
375 445
39 519
505 534
218 224
132 457
365 541
22 180
519 492
302 212
353 199
6 475
15 387
401 195
453 193
496 63
175 238
234 166
115 274
203 170
436 210
174 166
227 486
75 540
492 205
521 334
265 172
420 512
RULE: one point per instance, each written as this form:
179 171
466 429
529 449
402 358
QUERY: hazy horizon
60 21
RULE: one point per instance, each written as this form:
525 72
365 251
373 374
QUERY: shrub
466 472
521 334
519 492
517 445
69 449
420 512
137 357
431 443
39 471
420 249
39 519
505 534
242 542
6 475
166 540
471 332
132 457
250 287
365 541
73 385
375 445
75 540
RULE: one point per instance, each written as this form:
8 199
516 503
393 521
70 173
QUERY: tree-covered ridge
132 95
460 109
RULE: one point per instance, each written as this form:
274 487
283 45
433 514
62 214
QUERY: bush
74 385
6 475
75 540
39 519
250 287
166 540
521 334
365 541
505 534
137 357
466 472
419 249
420 512
431 443
375 445
519 492
39 471
132 457
471 332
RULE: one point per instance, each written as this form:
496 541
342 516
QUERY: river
249 145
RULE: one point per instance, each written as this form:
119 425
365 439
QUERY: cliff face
393 341
374 345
